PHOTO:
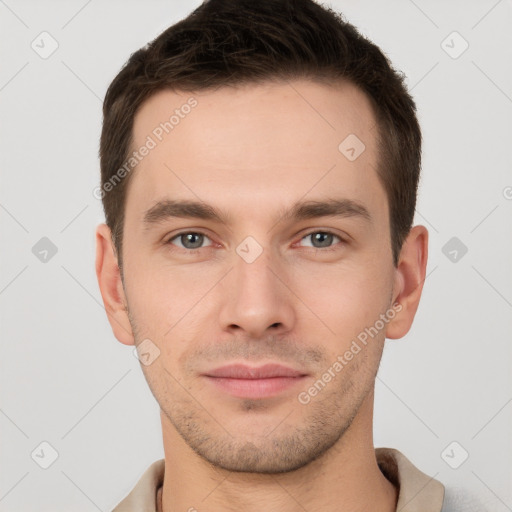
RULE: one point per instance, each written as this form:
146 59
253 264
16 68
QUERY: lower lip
255 388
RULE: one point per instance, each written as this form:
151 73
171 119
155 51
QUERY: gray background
65 380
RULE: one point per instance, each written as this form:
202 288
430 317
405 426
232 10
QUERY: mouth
244 381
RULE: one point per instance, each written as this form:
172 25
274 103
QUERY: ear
409 278
111 286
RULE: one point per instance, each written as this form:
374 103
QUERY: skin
251 153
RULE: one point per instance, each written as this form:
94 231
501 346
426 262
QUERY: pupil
188 240
325 239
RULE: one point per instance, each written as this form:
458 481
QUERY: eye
189 240
321 239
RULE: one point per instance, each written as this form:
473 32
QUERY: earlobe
111 286
409 278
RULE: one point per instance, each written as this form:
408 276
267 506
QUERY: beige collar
417 491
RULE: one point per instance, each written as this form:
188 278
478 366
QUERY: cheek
171 306
346 297
162 294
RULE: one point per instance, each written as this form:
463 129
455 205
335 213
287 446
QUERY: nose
257 298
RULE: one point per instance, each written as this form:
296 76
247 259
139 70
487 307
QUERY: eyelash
323 249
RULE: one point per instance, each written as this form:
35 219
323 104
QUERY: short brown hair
235 42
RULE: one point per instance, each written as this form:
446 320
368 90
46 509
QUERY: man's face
259 286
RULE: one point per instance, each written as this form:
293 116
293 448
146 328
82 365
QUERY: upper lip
241 371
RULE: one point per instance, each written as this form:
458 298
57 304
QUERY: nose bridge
256 298
254 277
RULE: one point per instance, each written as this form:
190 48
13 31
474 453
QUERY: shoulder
421 492
143 495
459 499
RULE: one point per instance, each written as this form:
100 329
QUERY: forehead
257 141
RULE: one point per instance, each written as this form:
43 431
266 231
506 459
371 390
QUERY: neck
344 478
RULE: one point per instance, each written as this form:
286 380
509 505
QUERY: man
260 163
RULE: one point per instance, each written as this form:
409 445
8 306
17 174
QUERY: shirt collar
418 492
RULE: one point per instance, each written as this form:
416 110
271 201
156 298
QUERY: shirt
417 492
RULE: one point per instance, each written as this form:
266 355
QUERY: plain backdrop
444 391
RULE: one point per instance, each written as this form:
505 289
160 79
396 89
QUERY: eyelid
331 231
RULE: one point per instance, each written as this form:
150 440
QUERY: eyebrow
301 210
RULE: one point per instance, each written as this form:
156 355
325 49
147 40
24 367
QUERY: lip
242 371
244 381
